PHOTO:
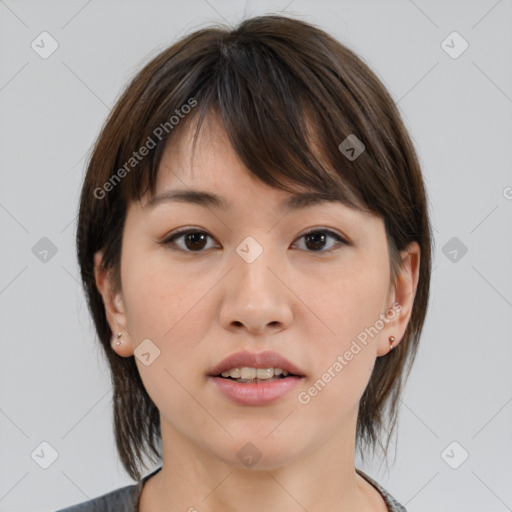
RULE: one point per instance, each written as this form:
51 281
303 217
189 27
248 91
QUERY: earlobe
121 346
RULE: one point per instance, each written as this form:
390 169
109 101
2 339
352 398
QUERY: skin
198 307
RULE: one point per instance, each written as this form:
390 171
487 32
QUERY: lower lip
259 393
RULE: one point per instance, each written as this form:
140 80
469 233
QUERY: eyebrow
208 199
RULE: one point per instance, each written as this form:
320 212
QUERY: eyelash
169 240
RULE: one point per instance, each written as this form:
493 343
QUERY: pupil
314 236
194 237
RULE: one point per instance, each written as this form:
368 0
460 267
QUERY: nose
256 296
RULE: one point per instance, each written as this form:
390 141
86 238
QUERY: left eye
195 240
317 239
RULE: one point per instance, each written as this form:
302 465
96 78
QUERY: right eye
194 240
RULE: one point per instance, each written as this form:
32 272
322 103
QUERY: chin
259 452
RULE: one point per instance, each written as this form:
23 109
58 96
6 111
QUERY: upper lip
255 360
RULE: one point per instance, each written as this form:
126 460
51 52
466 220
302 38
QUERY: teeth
264 373
253 373
248 373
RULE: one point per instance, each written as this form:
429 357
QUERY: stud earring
118 340
391 341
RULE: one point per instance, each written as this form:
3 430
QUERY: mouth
248 375
254 391
245 366
255 379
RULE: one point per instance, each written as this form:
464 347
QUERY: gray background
54 384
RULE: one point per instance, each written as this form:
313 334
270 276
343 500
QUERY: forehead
210 163
212 174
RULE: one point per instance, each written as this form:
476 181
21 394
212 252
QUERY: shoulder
123 499
392 504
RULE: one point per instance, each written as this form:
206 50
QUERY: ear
402 295
114 307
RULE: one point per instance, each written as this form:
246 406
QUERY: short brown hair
287 94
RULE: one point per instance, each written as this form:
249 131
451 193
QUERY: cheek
348 305
165 305
150 303
161 306
159 297
347 300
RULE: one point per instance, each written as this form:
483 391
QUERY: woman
250 233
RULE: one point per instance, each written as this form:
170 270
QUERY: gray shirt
126 499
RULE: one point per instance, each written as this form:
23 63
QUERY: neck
195 480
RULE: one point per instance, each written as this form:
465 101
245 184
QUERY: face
305 284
